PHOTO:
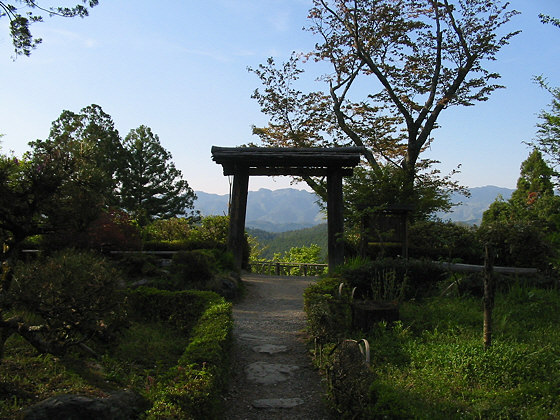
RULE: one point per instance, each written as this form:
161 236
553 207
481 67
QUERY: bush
192 269
174 229
518 244
193 388
385 277
73 295
136 265
445 241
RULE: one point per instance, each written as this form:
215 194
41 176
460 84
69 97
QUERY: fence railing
274 268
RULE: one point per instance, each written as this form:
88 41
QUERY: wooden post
237 214
335 217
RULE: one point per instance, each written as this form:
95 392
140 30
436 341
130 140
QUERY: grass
432 364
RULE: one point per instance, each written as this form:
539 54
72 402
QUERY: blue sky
181 68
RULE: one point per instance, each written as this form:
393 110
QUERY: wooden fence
273 268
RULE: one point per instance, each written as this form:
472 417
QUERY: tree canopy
150 185
22 13
395 66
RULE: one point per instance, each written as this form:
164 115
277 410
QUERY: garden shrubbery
193 388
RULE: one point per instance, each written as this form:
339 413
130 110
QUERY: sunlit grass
433 364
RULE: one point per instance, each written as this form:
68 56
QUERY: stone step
269 373
277 403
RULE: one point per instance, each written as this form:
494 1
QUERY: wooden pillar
335 218
237 214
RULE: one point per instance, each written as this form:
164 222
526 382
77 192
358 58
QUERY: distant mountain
471 209
290 209
281 242
273 211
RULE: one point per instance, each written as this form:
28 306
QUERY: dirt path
272 375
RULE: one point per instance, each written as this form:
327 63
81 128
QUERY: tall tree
88 149
150 185
548 134
525 229
396 65
20 21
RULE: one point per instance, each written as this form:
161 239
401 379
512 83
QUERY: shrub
73 295
192 269
328 315
518 244
136 265
174 229
375 278
446 241
193 388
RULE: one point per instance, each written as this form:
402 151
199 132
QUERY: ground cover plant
432 362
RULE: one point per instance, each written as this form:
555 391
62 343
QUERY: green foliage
389 277
177 360
548 134
518 243
135 266
172 229
530 216
193 388
85 150
192 269
447 241
274 243
328 314
301 255
150 185
432 364
73 296
395 67
369 191
20 23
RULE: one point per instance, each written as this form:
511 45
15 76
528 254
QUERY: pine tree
150 185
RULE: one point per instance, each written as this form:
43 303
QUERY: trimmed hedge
193 388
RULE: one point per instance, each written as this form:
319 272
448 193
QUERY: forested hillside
283 241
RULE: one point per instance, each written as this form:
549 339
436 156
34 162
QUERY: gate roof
313 161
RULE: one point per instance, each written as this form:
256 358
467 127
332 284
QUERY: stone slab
269 373
277 403
270 349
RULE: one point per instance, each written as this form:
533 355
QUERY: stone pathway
272 374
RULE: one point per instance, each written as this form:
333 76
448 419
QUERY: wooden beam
237 214
295 171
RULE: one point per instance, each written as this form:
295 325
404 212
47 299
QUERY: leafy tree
150 185
87 149
396 65
534 181
525 229
304 255
21 21
548 134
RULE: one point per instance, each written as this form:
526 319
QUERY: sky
180 67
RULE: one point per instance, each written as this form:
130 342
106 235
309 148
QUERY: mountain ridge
292 209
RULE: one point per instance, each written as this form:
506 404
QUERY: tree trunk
489 291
